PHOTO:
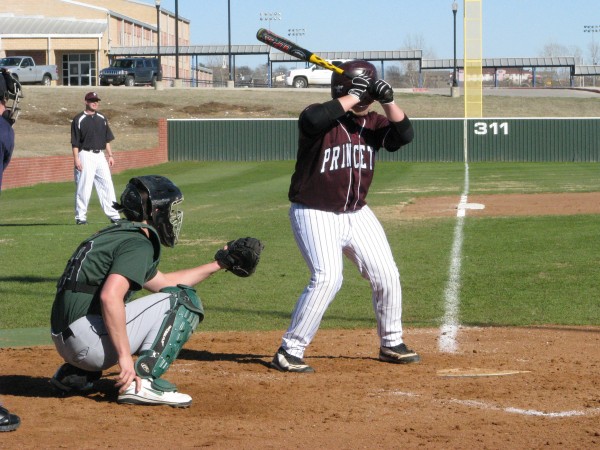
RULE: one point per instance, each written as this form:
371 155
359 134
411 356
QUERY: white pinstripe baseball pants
323 238
96 172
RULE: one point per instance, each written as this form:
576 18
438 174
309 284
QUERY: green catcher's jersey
122 249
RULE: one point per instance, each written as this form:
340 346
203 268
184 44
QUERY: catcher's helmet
341 84
156 199
11 94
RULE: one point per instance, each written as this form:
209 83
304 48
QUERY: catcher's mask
11 93
155 199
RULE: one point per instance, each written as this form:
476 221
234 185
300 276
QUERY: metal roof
587 70
371 55
200 50
555 61
29 26
261 49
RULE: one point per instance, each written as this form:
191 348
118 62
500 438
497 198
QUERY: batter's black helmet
341 84
156 199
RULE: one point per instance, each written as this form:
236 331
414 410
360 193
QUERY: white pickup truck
24 69
313 75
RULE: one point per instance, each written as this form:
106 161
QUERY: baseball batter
90 138
329 215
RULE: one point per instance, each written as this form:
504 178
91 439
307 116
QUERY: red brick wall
51 169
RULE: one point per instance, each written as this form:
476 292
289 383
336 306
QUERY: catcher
94 323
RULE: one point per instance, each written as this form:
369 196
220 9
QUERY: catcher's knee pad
180 322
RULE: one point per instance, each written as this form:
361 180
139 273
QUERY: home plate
475 372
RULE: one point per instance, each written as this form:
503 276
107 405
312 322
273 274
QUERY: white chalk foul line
508 409
526 412
450 323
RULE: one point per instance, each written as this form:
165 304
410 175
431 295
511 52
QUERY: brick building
77 36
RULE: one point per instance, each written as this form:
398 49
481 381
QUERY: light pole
296 33
454 89
177 39
268 16
229 42
592 29
593 49
159 76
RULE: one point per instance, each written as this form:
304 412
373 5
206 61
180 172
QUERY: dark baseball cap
92 97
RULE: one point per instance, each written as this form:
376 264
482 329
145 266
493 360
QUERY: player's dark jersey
90 131
122 249
336 155
7 145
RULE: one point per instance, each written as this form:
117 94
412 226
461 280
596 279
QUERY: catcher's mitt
241 256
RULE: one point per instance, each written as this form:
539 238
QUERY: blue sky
511 28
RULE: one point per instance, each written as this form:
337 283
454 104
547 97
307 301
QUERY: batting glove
360 84
382 92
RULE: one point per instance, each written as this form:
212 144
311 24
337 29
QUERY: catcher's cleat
284 362
8 421
151 394
69 379
399 354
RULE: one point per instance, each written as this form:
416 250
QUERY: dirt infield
505 205
531 388
352 401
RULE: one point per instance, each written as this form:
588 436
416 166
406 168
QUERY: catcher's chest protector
68 280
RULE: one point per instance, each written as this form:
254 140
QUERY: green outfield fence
436 140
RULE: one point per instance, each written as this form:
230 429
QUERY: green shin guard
180 322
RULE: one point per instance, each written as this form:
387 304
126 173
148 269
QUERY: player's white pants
323 238
91 349
96 172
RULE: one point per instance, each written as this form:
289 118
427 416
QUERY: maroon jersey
336 155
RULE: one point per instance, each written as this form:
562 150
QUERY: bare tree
411 68
218 64
594 49
552 50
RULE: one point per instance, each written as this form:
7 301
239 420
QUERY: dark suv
130 71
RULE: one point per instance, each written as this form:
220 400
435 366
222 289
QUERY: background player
90 137
8 421
10 89
329 215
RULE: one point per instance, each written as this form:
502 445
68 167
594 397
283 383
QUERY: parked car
24 69
313 75
130 71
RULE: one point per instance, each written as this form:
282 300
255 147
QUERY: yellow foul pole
472 59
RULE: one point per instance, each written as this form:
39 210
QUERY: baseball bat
286 46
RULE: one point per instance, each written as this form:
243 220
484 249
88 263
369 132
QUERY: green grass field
516 270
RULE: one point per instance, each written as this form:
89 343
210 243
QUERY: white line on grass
450 323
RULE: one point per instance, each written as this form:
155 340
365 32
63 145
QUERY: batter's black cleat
284 362
69 379
8 421
399 354
80 222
